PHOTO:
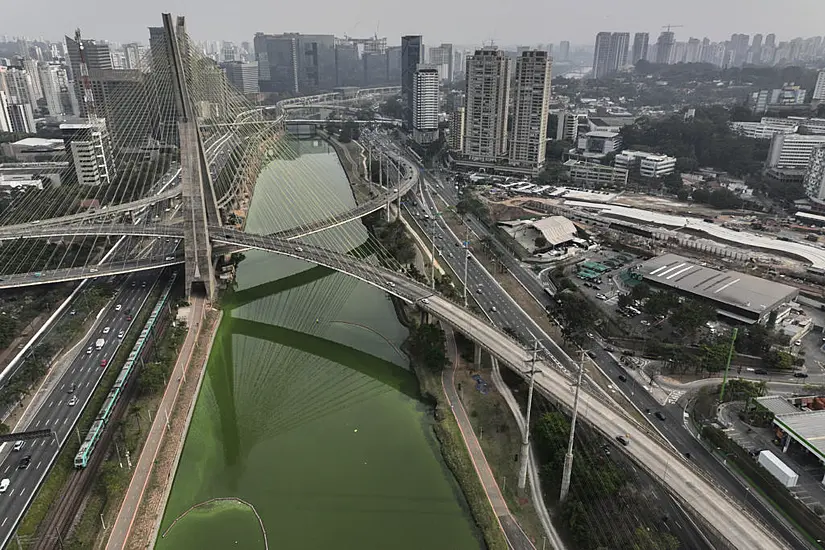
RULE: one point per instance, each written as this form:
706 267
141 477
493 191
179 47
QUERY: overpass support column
477 357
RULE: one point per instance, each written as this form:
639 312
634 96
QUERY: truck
99 344
778 469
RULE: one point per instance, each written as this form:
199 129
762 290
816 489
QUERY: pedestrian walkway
516 538
122 526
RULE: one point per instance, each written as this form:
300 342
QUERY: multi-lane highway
76 385
507 314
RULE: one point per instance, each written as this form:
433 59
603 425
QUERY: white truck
99 344
778 469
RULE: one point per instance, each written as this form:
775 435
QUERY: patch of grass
501 442
458 460
64 463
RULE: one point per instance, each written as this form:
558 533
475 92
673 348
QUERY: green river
308 416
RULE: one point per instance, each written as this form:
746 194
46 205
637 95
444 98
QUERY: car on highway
89 350
128 317
106 330
118 307
120 334
104 362
623 440
760 371
24 462
298 249
18 445
800 375
659 415
493 309
168 258
73 401
4 485
72 388
425 301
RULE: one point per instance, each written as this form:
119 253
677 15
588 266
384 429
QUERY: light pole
525 442
432 255
568 458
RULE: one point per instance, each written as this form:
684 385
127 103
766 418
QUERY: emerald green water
308 411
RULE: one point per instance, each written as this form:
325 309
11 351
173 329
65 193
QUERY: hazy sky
458 21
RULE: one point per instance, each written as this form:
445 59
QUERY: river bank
308 411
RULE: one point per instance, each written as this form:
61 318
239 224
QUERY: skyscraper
243 76
21 118
55 83
426 85
564 50
442 58
610 53
641 41
693 54
412 53
5 121
532 98
601 55
664 47
296 63
488 98
97 57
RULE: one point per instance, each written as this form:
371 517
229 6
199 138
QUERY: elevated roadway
684 481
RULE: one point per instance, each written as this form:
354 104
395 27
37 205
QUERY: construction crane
668 27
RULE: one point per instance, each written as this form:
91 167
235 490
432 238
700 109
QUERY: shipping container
778 469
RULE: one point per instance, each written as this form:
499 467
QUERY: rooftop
602 134
777 405
39 142
738 290
807 426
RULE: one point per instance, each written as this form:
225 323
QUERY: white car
73 401
601 296
89 350
118 307
4 485
425 301
120 334
18 445
106 330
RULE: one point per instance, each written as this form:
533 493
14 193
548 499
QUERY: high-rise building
18 85
814 181
532 98
295 63
91 150
348 69
456 139
442 58
134 55
33 68
97 58
21 118
5 121
426 86
55 84
641 41
564 50
412 54
819 88
664 47
243 76
601 55
487 105
770 40
693 51
756 49
610 53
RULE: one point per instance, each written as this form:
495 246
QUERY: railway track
58 522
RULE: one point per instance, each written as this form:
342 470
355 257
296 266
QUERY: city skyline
482 24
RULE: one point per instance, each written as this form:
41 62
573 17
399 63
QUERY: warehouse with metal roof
735 295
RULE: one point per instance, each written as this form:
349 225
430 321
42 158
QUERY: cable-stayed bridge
174 152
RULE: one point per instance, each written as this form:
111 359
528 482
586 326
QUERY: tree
652 539
690 315
540 242
427 345
151 379
4 428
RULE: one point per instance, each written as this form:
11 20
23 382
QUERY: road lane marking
46 423
11 492
61 385
51 403
38 423
42 441
5 519
39 462
23 490
7 469
65 419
